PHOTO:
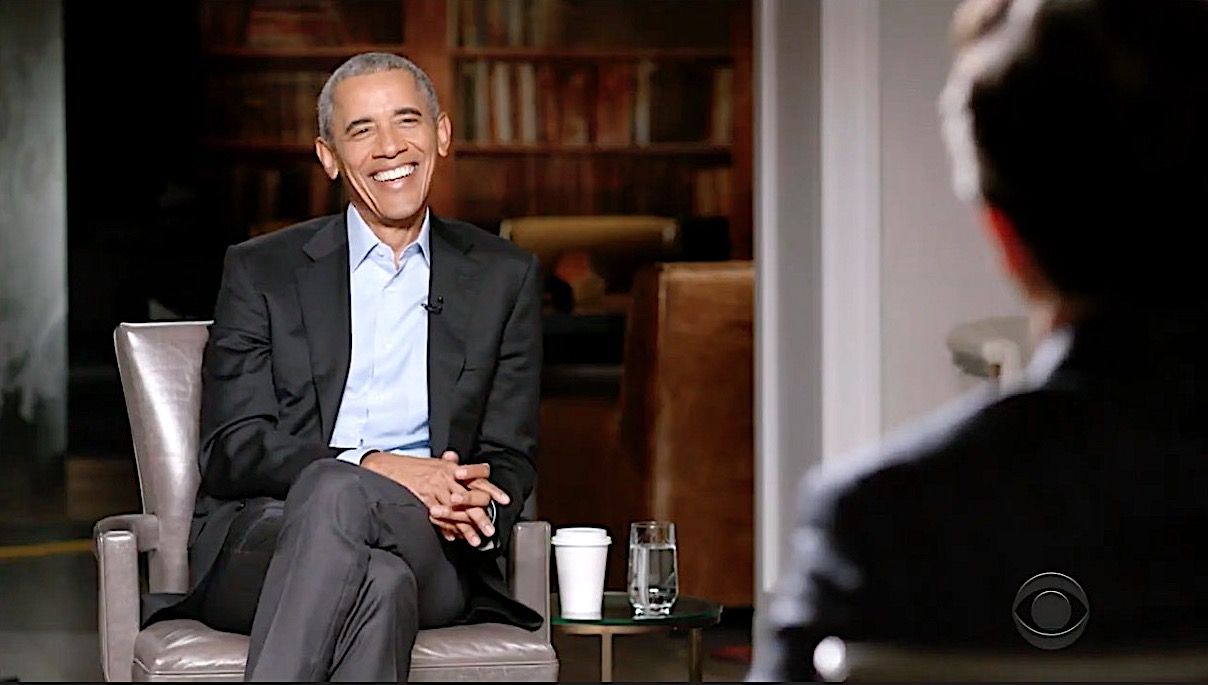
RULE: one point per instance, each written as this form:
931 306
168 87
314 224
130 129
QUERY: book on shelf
505 23
481 187
642 104
711 192
611 104
526 99
496 23
302 101
514 101
550 114
464 124
501 103
680 102
276 24
614 180
541 20
482 112
468 21
575 108
320 192
294 24
264 107
368 22
721 121
615 105
259 197
514 10
223 23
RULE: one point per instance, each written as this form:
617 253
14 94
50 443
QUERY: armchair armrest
118 541
144 526
529 574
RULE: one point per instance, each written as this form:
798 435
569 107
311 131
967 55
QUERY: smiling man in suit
369 408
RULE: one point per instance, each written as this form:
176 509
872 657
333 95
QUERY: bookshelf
594 107
704 149
311 53
264 63
635 54
558 106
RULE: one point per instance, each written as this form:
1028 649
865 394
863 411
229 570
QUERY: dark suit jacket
1097 469
278 357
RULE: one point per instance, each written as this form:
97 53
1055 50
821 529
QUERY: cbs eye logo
1051 611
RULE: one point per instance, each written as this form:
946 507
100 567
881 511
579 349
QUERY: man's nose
391 142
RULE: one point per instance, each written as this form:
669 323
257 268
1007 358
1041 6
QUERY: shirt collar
1049 355
361 239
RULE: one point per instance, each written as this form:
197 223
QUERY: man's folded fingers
482 521
472 498
493 490
472 471
468 532
452 516
439 497
447 530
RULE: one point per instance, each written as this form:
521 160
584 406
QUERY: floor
48 604
48 618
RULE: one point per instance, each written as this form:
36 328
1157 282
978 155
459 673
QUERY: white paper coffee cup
581 555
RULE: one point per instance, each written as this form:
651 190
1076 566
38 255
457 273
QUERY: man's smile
395 174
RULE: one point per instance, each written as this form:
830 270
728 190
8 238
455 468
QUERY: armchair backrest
619 244
687 422
160 367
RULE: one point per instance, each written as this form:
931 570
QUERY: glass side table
689 613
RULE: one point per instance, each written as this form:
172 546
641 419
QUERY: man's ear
444 134
1015 256
327 157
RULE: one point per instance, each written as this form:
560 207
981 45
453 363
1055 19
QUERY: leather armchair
160 370
837 661
686 426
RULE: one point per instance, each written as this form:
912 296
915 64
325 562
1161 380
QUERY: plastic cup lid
581 536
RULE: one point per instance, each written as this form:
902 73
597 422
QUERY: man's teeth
395 174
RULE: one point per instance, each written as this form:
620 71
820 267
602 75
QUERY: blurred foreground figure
1081 129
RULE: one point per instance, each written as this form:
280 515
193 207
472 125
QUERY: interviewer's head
1082 127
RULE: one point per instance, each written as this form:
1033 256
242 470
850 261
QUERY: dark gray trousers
333 583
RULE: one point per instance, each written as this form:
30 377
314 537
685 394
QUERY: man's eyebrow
402 111
357 122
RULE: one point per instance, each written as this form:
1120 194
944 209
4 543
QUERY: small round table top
617 616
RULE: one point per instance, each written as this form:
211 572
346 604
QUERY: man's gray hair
372 63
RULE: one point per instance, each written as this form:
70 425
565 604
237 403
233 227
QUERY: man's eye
360 133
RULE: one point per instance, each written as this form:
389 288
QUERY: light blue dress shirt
385 403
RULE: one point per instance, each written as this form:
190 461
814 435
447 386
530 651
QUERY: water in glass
653 578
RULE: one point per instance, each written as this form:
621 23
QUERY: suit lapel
452 281
326 313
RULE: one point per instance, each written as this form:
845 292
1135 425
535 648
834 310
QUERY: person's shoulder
961 446
486 245
274 257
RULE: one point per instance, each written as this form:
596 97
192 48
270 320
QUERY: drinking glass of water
653 581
